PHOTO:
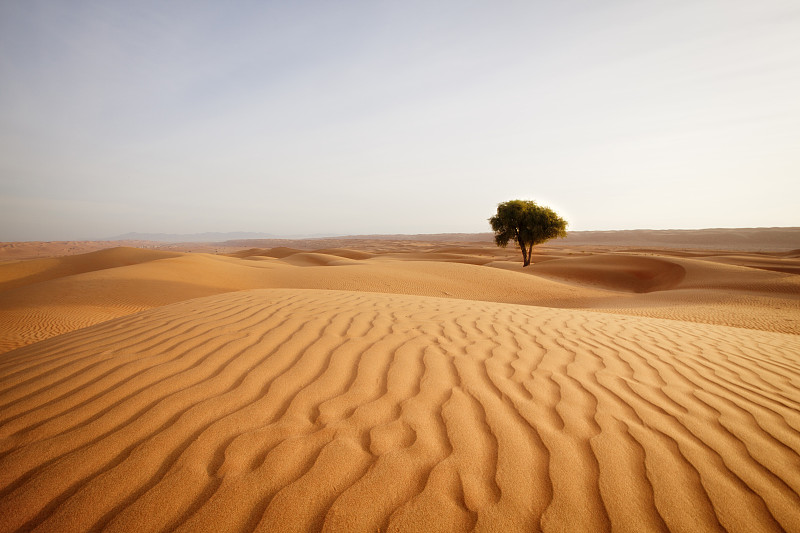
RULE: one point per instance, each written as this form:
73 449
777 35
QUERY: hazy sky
395 117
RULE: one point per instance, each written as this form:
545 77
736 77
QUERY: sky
297 118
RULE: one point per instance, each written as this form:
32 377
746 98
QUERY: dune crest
20 274
287 409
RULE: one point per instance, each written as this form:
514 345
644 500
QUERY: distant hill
745 239
714 238
735 239
202 237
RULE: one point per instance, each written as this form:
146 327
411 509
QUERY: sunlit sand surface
407 388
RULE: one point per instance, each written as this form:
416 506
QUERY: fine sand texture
401 386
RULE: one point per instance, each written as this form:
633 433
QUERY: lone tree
526 223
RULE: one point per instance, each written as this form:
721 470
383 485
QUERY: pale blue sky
395 117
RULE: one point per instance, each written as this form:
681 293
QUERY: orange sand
410 387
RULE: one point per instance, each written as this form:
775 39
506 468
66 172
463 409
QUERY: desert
400 385
399 266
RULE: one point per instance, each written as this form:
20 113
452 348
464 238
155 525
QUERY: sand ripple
298 410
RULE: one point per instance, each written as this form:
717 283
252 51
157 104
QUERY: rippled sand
432 390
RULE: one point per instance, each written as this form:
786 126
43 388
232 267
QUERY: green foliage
526 223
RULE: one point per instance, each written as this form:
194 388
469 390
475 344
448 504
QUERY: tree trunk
526 258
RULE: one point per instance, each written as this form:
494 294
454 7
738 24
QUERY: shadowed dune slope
615 272
249 252
310 259
626 272
347 253
302 410
281 252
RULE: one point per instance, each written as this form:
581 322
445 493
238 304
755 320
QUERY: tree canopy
526 223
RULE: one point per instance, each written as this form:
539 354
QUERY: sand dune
17 251
19 274
615 272
46 297
775 264
404 386
297 410
280 252
32 311
346 253
317 259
